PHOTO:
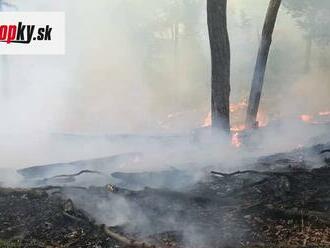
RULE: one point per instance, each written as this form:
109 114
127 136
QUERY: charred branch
99 164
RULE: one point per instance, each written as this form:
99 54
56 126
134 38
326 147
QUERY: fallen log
77 174
100 164
264 173
68 177
239 172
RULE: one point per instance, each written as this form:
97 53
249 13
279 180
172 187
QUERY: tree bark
220 61
260 67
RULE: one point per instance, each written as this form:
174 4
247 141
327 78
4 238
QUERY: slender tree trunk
220 61
260 67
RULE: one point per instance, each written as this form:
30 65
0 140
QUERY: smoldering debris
276 201
76 166
172 179
34 218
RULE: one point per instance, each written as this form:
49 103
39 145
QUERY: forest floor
283 200
32 218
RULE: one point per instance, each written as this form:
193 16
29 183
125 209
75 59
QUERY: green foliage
313 16
168 36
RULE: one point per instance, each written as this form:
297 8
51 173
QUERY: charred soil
281 200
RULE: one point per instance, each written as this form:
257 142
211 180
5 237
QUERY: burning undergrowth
265 118
180 191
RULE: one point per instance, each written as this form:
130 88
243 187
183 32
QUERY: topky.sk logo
32 33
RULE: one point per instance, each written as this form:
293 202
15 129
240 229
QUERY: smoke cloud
136 78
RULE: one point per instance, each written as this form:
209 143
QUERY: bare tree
220 60
260 67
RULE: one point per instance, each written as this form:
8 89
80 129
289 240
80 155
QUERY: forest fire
235 140
262 119
208 120
238 128
116 144
315 119
306 118
238 111
242 105
325 113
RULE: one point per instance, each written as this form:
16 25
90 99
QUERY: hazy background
125 71
143 67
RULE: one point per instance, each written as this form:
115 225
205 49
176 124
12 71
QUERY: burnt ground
32 218
282 200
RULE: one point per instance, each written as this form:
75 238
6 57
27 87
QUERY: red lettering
3 32
11 33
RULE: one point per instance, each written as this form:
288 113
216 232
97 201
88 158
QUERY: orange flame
262 119
306 118
324 113
234 107
208 120
235 140
314 119
237 110
238 128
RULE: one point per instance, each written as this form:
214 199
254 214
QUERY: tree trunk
260 67
220 61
